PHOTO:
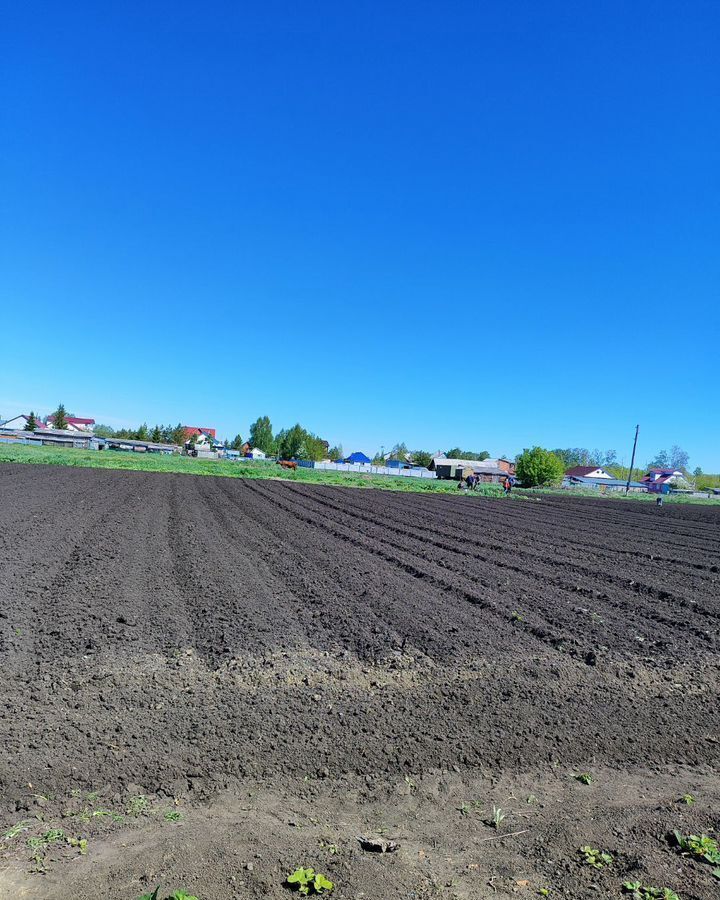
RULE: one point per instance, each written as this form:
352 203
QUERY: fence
367 469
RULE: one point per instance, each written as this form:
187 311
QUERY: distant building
587 472
661 481
489 470
602 484
19 422
194 431
73 423
256 453
357 457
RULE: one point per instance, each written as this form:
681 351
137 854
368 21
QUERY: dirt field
287 667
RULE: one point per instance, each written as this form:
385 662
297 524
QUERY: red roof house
192 431
74 423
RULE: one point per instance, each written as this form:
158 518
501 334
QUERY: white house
19 423
587 472
255 453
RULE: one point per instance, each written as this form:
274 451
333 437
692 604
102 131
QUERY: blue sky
484 224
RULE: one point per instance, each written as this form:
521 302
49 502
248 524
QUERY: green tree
31 424
236 443
537 467
457 453
336 453
142 433
289 441
697 471
60 417
156 435
104 431
177 435
421 458
313 447
261 435
661 461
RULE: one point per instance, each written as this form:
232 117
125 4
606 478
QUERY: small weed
531 799
641 891
544 892
700 846
172 815
498 817
50 837
411 783
687 799
464 809
15 830
91 797
80 843
595 858
516 617
308 881
332 849
584 778
137 805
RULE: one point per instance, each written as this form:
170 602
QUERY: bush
538 467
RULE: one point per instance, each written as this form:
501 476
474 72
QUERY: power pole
632 461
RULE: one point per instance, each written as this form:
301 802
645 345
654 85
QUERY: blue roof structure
357 457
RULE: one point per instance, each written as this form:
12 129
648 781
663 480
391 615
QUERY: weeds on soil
308 881
584 778
137 805
640 891
595 858
699 846
498 817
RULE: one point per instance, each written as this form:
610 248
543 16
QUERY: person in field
507 485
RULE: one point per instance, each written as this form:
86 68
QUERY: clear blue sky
484 224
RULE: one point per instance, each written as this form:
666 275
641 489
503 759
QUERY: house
602 484
489 470
357 457
587 472
662 481
19 423
194 431
256 453
73 423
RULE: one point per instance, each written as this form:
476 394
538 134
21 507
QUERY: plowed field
289 666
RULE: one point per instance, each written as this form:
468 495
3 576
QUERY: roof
482 464
38 422
196 429
584 470
657 471
73 420
357 457
607 482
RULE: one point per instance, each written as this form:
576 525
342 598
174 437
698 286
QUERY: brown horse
287 464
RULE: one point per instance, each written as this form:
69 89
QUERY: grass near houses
152 462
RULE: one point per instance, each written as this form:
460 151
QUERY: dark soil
292 666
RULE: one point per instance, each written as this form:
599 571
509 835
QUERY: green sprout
700 846
308 881
595 858
641 891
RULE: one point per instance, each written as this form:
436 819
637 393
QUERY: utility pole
632 461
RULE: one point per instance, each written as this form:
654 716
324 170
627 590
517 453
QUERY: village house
74 423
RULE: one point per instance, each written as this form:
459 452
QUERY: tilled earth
287 667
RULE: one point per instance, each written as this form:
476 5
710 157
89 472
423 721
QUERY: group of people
472 481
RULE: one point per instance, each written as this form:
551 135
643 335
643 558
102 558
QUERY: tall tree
261 435
60 417
156 435
336 453
31 424
236 443
421 458
679 459
177 435
103 431
457 453
538 467
661 461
